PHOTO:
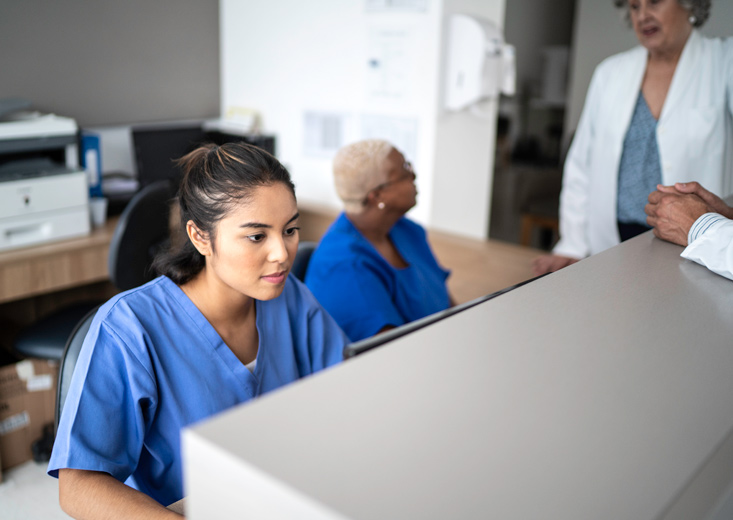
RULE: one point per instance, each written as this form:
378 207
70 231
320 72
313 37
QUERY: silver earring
380 205
692 19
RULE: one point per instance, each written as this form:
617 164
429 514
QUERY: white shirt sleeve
573 241
710 242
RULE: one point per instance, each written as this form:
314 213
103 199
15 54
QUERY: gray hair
700 9
357 171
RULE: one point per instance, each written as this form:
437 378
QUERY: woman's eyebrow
260 225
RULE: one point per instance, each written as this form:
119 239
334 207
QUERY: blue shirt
640 169
152 364
363 292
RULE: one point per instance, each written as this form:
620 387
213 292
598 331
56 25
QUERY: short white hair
357 171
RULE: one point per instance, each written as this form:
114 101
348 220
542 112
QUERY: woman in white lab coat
657 114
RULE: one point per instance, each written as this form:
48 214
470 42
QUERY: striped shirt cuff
703 224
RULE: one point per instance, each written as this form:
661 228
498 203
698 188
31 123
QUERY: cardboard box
27 403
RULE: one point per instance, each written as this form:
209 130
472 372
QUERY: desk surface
31 271
602 391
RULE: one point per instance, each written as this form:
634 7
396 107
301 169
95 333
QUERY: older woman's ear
372 198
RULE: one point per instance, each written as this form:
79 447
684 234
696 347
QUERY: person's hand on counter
551 263
694 188
672 210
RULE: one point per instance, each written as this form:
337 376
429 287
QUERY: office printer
44 194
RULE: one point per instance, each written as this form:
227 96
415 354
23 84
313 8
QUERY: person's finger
539 268
688 187
650 209
666 189
712 200
655 196
543 264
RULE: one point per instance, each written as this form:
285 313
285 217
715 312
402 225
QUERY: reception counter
602 391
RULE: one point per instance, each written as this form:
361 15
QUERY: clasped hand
672 210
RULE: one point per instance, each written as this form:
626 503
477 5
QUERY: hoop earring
693 20
380 205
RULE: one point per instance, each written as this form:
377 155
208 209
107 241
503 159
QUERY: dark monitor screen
158 147
359 347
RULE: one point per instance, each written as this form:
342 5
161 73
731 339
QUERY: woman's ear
372 198
199 239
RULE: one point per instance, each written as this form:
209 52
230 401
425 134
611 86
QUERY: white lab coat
714 248
694 135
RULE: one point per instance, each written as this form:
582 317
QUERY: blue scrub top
364 292
152 364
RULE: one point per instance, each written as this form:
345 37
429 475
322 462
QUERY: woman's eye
256 238
291 231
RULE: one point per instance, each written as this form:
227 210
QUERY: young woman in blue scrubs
373 269
223 324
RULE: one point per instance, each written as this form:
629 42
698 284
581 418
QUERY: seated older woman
373 269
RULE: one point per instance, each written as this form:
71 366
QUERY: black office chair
142 229
68 361
302 258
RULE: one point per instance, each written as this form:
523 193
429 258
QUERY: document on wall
400 131
325 132
390 64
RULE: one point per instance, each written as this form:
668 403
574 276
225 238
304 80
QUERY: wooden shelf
41 269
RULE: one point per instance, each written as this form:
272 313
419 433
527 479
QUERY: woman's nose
643 10
278 252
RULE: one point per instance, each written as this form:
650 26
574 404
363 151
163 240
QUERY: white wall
287 58
600 32
464 151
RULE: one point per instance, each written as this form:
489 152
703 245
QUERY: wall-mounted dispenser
479 65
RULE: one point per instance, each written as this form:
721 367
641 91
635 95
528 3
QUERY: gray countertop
602 391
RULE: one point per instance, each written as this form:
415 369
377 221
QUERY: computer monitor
157 147
365 345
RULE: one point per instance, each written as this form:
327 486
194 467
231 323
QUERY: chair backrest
142 230
302 257
68 361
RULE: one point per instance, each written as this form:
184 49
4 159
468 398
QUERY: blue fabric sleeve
359 300
105 418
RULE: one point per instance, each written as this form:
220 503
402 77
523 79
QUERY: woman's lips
649 31
276 278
